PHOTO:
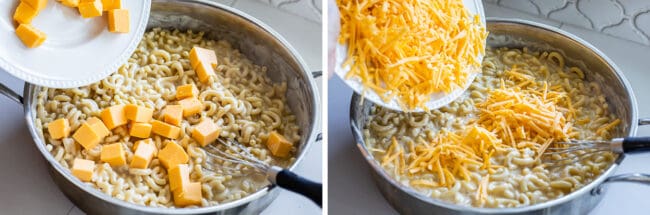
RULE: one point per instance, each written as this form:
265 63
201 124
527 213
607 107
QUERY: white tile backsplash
625 19
307 9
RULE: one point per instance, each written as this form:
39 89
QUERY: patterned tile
625 19
308 9
548 6
602 13
626 30
521 5
642 21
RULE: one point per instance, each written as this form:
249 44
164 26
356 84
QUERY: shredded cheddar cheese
450 154
411 49
481 191
525 115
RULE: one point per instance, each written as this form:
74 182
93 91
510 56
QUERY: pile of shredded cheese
411 49
527 115
526 118
450 154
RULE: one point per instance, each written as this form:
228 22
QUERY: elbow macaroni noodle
241 99
518 178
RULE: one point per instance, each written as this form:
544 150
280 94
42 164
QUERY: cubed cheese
172 155
119 21
24 13
147 141
86 136
140 129
138 113
89 9
278 145
143 154
36 4
190 194
114 116
83 169
58 128
173 114
111 4
190 106
204 70
164 129
30 36
187 91
198 54
113 154
179 176
70 3
98 126
205 132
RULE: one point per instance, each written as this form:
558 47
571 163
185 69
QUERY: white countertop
26 187
352 190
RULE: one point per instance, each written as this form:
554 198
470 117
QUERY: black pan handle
4 90
636 144
291 181
316 74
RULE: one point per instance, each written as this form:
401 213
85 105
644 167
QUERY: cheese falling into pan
411 49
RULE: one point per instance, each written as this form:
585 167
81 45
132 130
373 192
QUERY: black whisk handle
635 144
295 183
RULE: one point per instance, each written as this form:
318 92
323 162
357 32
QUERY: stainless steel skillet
255 40
515 33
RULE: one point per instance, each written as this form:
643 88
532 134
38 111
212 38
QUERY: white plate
77 51
437 100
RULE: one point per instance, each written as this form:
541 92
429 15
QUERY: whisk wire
573 151
242 155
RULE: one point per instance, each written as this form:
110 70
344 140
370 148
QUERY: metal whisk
276 175
576 150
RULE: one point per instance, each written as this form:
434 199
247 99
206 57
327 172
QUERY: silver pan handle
644 121
640 178
4 90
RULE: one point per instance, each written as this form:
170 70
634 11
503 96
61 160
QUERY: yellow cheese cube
140 129
118 21
86 136
205 132
36 4
173 114
164 129
138 113
179 176
190 194
24 13
190 106
187 91
278 145
147 141
89 9
70 3
111 4
113 154
198 54
114 116
58 128
172 155
83 169
98 126
30 36
204 71
143 154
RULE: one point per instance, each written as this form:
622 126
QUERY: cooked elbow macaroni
518 179
241 99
